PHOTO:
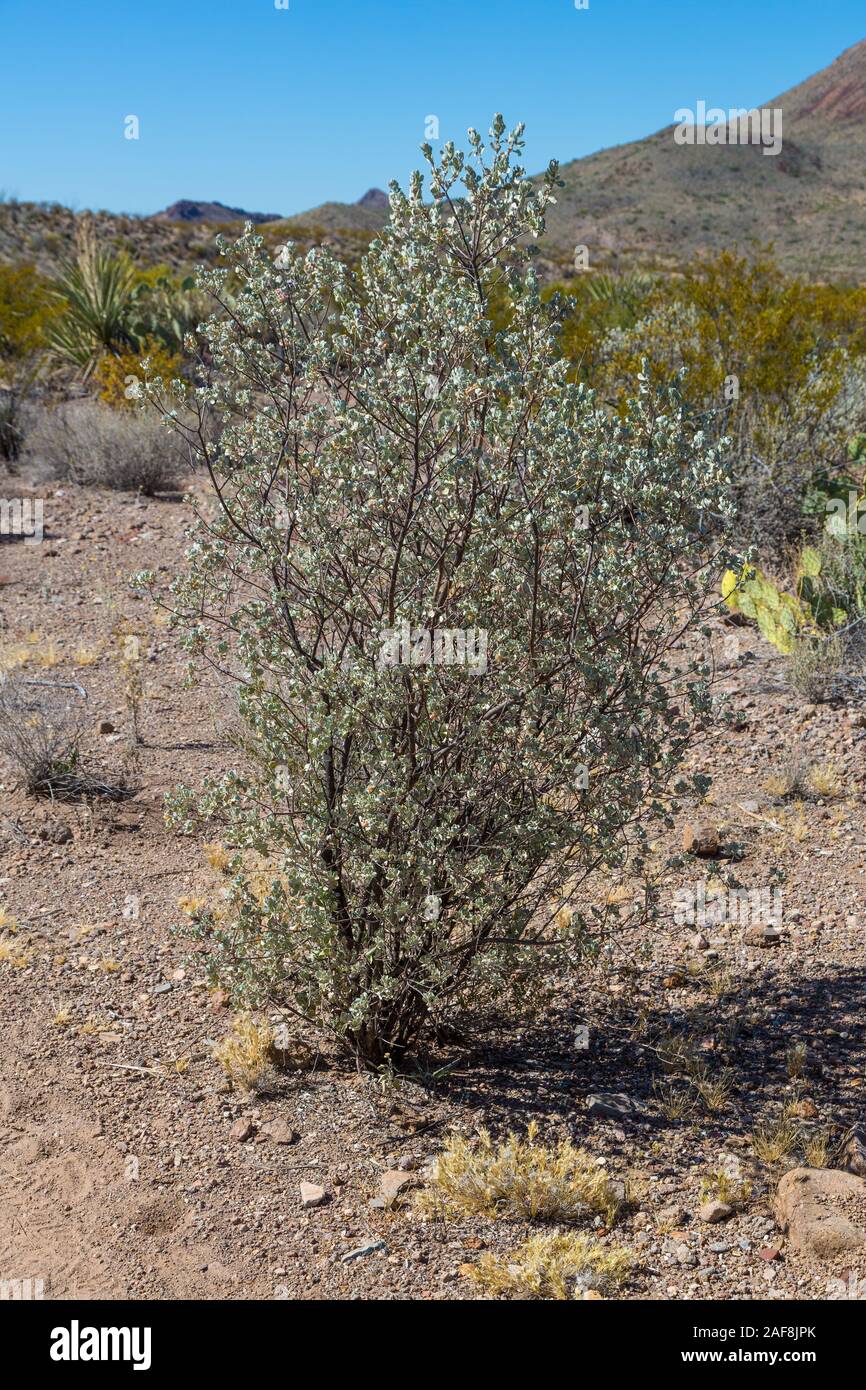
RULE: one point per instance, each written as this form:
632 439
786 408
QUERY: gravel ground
130 1170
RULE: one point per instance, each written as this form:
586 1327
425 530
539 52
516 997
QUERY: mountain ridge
650 203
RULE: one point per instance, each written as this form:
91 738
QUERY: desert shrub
392 466
519 1178
40 731
117 373
597 306
91 444
777 365
814 665
25 315
13 425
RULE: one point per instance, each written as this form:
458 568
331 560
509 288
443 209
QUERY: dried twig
59 685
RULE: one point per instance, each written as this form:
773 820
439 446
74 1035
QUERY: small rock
762 936
701 839
280 1132
612 1105
105 726
714 1211
768 1252
392 1183
672 1216
242 1130
699 942
853 1155
312 1195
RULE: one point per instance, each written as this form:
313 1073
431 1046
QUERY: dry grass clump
722 1186
796 1058
787 780
217 857
825 780
813 666
676 1102
816 1148
786 1141
553 1265
679 1056
775 1140
246 1053
93 1025
519 1178
41 728
96 446
713 1088
15 951
804 779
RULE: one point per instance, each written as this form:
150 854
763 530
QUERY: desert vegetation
496 678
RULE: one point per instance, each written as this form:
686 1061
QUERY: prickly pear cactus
780 616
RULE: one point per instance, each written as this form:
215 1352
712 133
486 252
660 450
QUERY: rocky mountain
368 214
660 202
187 211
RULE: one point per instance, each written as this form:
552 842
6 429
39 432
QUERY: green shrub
393 465
118 374
776 365
26 313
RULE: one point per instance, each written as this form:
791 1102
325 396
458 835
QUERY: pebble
312 1195
714 1211
362 1250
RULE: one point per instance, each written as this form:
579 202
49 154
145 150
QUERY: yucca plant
97 291
624 295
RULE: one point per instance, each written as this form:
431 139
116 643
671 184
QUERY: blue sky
278 110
